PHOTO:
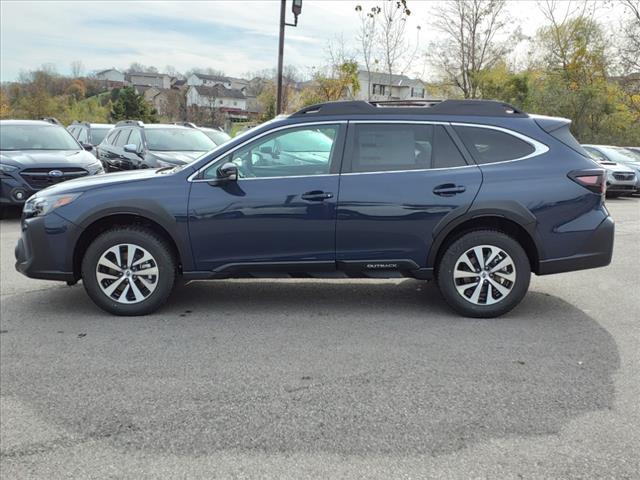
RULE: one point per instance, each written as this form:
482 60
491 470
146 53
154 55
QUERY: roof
108 70
217 78
488 108
396 80
147 74
219 91
136 123
28 122
179 83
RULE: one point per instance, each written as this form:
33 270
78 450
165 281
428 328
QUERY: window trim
193 177
539 148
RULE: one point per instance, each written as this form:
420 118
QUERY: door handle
449 189
316 196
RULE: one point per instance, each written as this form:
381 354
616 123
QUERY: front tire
129 271
484 274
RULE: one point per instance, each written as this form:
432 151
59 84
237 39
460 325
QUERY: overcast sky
233 36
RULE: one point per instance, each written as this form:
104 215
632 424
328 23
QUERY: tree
629 47
470 41
76 68
366 38
132 106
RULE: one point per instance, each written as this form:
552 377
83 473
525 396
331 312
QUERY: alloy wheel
484 275
127 273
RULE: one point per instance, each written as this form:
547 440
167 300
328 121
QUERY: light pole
296 8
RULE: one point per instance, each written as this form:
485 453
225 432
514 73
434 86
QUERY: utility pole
296 8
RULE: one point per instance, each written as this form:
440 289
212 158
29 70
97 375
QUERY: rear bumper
596 252
43 250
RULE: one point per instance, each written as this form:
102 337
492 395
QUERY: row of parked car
35 154
38 153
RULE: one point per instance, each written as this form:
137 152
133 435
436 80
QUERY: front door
280 214
399 180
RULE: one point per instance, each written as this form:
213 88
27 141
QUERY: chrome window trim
192 178
410 170
539 148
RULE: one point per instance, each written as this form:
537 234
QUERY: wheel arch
122 219
516 221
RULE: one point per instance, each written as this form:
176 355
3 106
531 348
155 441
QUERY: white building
111 75
379 86
200 79
230 101
143 79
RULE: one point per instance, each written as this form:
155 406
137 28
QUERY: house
201 79
229 101
111 75
379 86
144 79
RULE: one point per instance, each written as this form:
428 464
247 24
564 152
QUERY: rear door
399 179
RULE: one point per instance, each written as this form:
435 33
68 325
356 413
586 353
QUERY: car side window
82 136
487 145
111 138
380 147
123 138
301 151
135 138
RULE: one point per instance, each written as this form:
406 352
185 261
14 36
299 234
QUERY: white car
621 180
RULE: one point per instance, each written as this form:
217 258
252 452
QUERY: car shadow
316 366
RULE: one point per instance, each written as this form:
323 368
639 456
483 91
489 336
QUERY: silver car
622 179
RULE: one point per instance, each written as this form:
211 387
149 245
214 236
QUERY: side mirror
266 149
131 148
87 146
228 172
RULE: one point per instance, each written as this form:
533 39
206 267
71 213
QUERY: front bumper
596 251
14 191
44 248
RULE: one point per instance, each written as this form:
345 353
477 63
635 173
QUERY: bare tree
76 68
471 43
367 38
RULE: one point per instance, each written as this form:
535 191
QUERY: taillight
592 180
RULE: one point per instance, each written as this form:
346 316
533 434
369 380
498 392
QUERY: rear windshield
36 137
98 134
178 140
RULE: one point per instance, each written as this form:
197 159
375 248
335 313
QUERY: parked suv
474 194
35 154
622 166
216 135
89 133
132 145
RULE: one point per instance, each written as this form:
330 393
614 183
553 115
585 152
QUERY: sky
236 37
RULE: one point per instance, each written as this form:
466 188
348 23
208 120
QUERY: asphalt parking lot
325 379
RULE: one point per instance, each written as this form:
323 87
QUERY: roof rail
136 123
186 124
53 120
489 108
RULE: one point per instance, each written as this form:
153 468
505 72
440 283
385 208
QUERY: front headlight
39 206
7 168
95 168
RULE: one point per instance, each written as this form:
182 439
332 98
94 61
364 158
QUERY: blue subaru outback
474 194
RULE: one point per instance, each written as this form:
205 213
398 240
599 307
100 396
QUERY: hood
615 167
178 158
95 181
47 158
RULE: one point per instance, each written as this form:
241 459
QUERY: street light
296 8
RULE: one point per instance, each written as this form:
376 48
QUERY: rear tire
129 271
484 274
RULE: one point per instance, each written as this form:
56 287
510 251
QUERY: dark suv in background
35 154
89 133
133 145
474 194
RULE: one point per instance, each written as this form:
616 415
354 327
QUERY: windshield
98 134
36 137
619 154
178 140
217 136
